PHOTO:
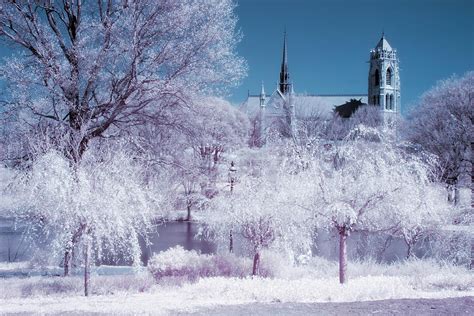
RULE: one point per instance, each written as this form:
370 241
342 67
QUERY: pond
14 247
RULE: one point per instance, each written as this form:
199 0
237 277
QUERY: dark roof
347 109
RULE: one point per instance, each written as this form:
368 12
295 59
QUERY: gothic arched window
376 77
387 100
391 102
389 76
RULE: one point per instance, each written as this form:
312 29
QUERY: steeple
284 84
383 44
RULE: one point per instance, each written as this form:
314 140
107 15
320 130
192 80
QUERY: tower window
391 102
376 77
389 76
387 100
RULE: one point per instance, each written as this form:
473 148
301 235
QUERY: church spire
285 57
284 84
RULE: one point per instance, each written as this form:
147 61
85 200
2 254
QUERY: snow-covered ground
215 292
134 294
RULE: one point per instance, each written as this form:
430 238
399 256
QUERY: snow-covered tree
419 212
217 127
442 124
261 210
193 146
90 67
101 203
363 183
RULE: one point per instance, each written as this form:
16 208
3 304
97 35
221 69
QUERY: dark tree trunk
256 263
342 255
87 273
67 262
231 242
188 207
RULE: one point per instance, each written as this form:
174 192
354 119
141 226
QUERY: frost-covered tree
419 212
101 206
442 124
193 147
261 210
362 183
90 67
216 127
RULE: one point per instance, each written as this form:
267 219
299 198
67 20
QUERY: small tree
101 204
261 210
194 149
420 212
216 127
360 183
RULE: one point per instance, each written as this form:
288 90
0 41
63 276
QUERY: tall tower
384 78
284 85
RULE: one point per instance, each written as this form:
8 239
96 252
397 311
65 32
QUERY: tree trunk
188 207
231 242
87 275
409 251
67 262
256 263
342 255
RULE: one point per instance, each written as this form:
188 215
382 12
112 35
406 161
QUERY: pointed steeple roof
284 74
262 91
383 44
284 62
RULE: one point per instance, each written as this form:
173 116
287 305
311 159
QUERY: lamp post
232 179
232 175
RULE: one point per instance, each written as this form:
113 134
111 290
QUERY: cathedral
280 110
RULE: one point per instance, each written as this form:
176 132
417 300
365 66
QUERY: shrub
453 247
46 286
72 286
188 265
106 285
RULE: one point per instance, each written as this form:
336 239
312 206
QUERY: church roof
305 104
383 44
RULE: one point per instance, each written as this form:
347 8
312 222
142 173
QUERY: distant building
280 110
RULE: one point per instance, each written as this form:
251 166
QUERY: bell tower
384 78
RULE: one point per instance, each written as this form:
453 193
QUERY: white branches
106 64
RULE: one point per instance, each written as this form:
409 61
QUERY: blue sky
329 43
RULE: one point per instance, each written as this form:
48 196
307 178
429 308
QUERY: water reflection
176 233
13 246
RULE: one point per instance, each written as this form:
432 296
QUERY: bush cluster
188 265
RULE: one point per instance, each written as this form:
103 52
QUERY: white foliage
442 124
103 197
90 67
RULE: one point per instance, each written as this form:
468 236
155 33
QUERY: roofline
318 95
